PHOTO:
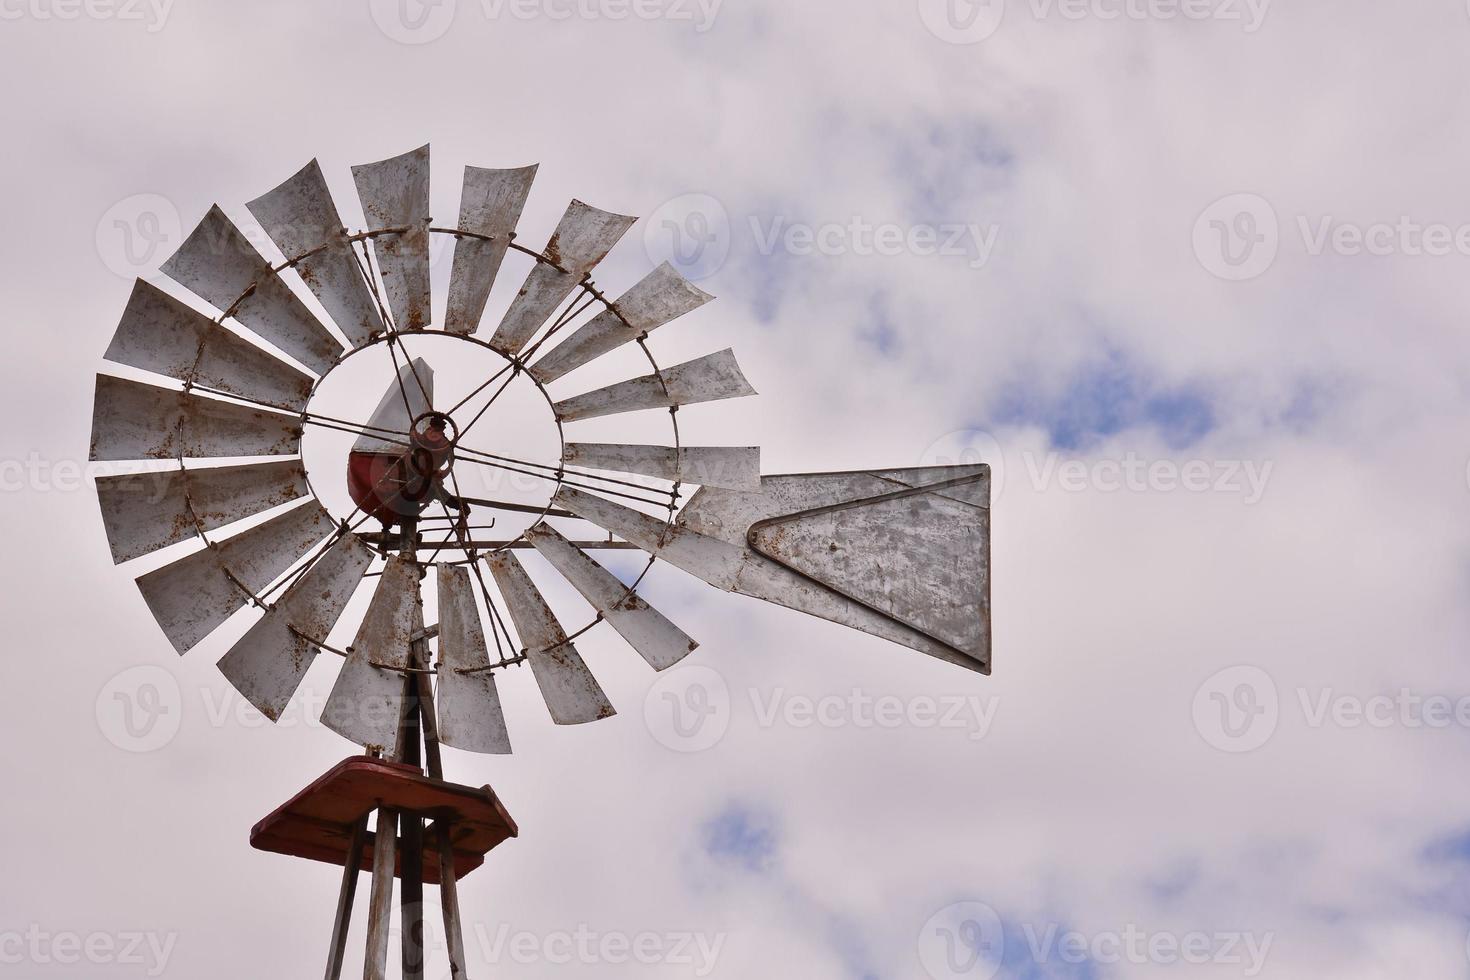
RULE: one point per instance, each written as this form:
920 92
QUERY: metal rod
380 907
411 885
345 897
449 900
373 537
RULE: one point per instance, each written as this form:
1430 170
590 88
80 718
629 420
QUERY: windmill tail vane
900 553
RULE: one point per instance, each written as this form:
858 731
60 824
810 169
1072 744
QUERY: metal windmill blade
582 239
395 201
302 219
489 210
218 263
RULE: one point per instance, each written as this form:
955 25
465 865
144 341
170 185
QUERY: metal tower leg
380 909
345 898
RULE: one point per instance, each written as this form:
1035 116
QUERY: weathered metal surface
160 334
366 703
919 557
570 691
734 468
316 824
582 239
270 661
470 716
191 597
663 296
395 195
657 640
380 902
415 380
710 541
705 379
490 205
716 562
346 893
217 262
131 420
300 216
729 516
143 512
449 900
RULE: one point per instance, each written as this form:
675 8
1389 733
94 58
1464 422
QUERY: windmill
238 369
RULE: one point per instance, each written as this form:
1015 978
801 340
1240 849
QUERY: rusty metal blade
393 418
301 217
646 630
582 239
191 597
143 512
218 263
470 716
160 334
716 562
705 379
713 547
131 420
395 195
269 662
571 693
663 296
367 701
490 205
708 466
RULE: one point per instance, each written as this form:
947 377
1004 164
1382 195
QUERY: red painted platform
317 823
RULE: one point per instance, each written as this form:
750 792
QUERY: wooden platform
317 823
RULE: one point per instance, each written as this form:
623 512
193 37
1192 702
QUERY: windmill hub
444 418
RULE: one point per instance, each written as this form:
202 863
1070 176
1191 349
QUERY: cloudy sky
1189 275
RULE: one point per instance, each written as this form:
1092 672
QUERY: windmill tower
899 553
